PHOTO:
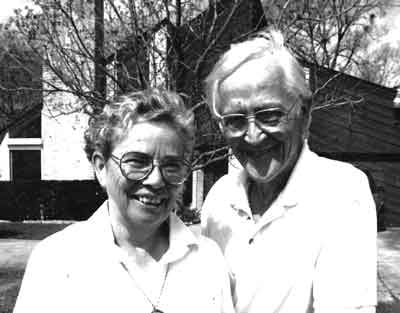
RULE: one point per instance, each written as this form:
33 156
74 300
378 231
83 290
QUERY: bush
49 200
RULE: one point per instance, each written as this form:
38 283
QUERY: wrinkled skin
265 155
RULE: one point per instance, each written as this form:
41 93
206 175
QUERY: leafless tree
336 35
379 63
135 44
325 33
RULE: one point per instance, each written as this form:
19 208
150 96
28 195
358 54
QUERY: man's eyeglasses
236 124
136 166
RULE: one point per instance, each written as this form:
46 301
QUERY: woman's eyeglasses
236 124
136 166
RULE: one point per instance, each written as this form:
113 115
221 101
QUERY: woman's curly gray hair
110 127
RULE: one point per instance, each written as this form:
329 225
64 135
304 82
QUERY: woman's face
264 152
147 202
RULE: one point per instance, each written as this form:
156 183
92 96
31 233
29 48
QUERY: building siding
63 157
365 133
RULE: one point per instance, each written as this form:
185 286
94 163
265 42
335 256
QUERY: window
25 165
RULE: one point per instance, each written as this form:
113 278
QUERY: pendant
155 310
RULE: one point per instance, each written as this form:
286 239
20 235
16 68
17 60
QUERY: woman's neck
155 241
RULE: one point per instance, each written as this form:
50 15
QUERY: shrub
49 200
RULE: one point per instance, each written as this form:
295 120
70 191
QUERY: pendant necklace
155 309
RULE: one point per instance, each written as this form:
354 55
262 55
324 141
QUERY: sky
393 21
7 8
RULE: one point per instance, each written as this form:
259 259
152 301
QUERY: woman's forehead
150 136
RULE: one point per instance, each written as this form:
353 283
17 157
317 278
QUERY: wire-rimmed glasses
137 166
236 124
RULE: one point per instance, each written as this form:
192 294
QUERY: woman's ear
99 165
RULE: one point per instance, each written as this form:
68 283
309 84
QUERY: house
36 136
44 172
361 125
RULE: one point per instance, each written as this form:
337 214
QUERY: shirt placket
275 212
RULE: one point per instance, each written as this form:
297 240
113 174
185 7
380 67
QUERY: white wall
4 160
63 157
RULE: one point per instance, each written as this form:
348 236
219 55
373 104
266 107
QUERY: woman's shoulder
63 242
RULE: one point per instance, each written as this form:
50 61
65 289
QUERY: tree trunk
100 64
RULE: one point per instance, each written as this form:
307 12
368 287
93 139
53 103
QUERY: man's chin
264 172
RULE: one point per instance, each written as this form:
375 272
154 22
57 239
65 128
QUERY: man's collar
292 193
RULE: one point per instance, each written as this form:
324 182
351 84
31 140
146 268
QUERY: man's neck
262 194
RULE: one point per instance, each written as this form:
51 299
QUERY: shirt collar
181 238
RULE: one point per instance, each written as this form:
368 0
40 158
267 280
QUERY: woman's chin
148 213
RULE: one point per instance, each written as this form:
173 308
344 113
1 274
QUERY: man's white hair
264 45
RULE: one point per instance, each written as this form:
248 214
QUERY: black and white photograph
222 156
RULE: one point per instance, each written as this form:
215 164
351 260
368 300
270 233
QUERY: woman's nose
155 178
254 134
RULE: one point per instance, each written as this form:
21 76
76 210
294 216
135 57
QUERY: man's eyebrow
268 105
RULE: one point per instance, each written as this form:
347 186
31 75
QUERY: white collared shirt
80 269
313 250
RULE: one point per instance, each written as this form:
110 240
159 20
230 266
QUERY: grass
12 260
29 230
16 241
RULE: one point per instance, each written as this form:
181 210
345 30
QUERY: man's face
268 145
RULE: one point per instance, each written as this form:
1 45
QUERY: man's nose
254 134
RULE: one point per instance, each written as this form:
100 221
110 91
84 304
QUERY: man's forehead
253 73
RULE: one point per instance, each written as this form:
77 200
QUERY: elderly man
298 231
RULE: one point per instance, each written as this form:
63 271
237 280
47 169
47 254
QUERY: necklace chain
155 310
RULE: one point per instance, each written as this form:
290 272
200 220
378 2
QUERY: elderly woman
133 254
297 230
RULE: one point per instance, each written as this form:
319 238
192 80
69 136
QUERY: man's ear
99 165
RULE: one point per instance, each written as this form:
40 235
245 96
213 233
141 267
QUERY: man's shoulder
222 194
224 182
332 171
210 251
339 184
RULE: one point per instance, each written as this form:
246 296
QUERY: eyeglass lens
136 166
264 118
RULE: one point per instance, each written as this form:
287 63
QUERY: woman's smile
151 200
